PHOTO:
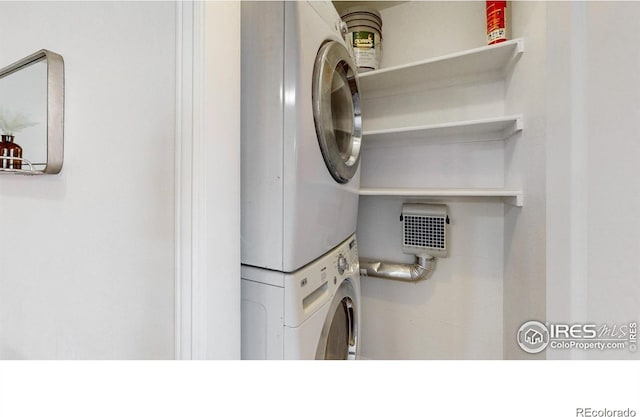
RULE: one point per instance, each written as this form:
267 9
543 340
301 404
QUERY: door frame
207 181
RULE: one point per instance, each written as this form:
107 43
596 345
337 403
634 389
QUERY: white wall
593 163
524 160
455 314
458 312
86 257
613 108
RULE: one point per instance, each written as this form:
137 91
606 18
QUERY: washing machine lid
336 110
339 337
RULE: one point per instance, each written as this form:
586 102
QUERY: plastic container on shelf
364 36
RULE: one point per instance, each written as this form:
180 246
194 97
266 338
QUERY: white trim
183 176
189 176
198 181
207 181
188 190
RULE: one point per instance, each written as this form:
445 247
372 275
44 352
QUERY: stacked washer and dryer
301 138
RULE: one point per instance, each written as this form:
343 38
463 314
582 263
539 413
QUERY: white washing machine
301 134
313 313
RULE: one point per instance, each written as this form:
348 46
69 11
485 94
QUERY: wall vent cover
425 232
424 229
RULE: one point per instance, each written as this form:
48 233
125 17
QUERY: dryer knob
343 265
343 28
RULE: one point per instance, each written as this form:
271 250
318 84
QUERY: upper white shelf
452 69
497 128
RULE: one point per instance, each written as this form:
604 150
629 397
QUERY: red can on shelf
496 21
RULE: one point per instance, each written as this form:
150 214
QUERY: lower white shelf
513 197
497 128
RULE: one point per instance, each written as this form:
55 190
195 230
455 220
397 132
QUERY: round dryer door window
339 337
336 110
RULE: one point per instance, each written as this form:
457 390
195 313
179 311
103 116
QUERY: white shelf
513 197
498 128
452 69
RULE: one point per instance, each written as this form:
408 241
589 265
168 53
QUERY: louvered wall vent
424 229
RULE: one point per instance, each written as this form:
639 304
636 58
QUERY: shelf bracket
518 126
515 200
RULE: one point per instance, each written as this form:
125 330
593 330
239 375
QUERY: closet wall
458 312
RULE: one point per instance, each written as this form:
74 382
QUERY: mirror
31 115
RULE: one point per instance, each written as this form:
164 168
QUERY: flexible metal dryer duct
418 271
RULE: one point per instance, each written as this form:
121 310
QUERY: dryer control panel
328 13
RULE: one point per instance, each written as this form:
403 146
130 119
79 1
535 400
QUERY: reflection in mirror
31 114
23 114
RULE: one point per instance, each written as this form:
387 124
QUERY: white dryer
313 313
301 134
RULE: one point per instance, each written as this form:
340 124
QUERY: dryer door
339 337
336 110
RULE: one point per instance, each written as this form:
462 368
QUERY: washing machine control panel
347 260
312 287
